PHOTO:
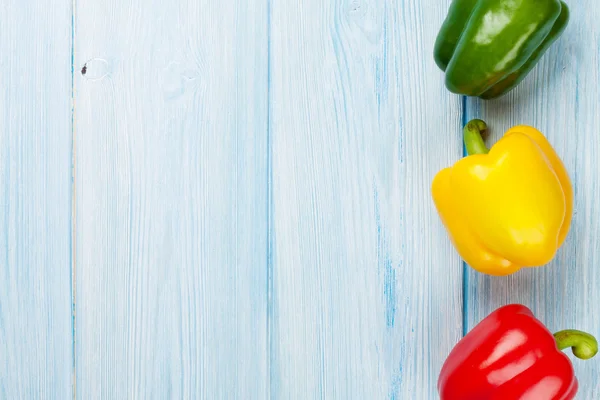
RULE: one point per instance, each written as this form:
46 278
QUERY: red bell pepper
511 355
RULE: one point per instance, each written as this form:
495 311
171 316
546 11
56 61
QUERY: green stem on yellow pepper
584 345
473 139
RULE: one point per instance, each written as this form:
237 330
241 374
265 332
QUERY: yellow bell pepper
507 208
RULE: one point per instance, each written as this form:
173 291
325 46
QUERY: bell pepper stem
472 136
583 344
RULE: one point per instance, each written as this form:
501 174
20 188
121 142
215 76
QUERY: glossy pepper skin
508 208
511 355
487 47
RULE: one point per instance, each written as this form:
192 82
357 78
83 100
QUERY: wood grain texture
171 199
36 357
561 99
366 287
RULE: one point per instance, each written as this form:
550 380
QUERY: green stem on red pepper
473 139
583 344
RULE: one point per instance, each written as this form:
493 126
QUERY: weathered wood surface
229 199
171 199
36 356
366 288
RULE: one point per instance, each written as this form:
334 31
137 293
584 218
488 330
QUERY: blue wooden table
230 199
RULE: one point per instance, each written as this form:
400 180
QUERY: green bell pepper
487 47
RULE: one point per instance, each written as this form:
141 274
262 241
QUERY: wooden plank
560 98
171 199
366 287
36 336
